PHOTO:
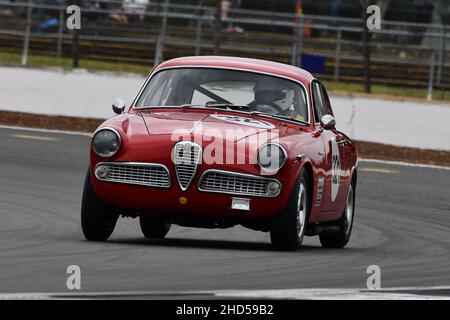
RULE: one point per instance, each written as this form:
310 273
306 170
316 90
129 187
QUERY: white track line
34 137
76 133
302 294
404 164
336 294
397 163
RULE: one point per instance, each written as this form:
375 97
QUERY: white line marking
32 137
378 170
405 164
329 294
401 293
76 133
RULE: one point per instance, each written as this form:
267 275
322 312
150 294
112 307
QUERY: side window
326 100
160 96
319 105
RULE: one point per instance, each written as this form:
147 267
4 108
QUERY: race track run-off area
402 225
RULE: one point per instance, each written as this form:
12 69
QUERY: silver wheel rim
349 211
301 210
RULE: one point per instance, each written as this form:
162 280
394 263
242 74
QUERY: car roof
256 65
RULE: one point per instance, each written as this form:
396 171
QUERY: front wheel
340 237
154 227
288 229
98 219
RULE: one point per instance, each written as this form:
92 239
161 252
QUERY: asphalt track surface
402 224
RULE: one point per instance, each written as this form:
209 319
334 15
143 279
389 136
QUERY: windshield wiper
215 105
187 106
277 116
227 106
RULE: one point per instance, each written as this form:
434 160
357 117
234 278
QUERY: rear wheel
153 226
339 238
288 229
98 219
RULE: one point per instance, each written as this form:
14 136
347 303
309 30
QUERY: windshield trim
246 113
224 68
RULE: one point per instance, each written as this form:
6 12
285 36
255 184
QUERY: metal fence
401 54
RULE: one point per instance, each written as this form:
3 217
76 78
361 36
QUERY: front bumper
208 195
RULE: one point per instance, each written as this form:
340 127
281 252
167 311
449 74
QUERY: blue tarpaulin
313 63
53 22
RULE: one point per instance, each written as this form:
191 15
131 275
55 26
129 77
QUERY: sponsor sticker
335 169
244 121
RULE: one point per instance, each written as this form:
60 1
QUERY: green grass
403 92
97 65
66 63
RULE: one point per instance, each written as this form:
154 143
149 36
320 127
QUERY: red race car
214 142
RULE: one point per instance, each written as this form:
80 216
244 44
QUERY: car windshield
222 88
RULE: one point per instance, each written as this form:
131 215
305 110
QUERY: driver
272 98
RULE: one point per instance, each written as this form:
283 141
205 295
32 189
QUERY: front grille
235 183
144 174
186 156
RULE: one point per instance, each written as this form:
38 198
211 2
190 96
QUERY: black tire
339 239
286 234
153 227
98 219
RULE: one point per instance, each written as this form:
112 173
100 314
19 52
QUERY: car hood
150 136
210 125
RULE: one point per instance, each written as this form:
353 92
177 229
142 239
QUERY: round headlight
106 142
101 172
273 188
271 157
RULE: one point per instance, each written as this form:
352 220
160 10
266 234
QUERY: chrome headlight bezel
117 148
272 170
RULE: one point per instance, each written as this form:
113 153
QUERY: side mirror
328 122
118 106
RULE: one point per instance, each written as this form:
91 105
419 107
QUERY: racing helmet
272 92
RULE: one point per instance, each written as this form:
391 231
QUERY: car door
334 157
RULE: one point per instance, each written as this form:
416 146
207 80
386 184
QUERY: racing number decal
335 169
244 121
